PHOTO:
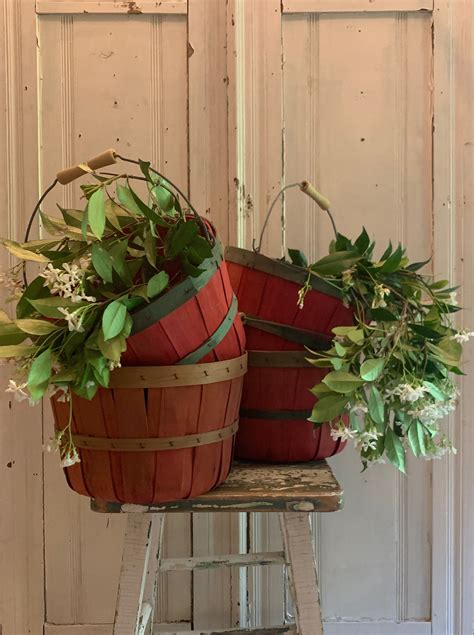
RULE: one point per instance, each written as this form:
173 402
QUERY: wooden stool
293 491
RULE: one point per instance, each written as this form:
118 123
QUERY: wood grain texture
355 6
299 550
21 470
143 112
81 7
305 487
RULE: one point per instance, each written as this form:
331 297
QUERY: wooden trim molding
138 7
355 6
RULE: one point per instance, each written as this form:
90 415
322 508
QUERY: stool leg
299 552
138 574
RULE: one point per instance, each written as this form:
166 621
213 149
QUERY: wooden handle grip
313 193
100 161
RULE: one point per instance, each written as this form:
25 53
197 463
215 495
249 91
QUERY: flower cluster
389 382
68 281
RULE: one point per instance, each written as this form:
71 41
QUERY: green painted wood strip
281 415
151 313
214 339
315 341
278 268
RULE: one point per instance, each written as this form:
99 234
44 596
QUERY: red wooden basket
276 401
157 434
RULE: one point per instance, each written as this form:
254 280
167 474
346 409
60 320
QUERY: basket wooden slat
279 376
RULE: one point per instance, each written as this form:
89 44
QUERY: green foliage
104 262
390 371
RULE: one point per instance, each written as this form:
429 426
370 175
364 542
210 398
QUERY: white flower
379 298
68 281
342 432
113 365
359 409
62 391
462 336
452 298
70 458
18 390
367 439
429 413
406 392
74 319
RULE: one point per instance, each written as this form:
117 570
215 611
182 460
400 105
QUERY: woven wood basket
276 401
159 433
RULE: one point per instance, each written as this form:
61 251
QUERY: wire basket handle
108 157
307 188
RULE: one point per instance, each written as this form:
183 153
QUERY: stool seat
291 490
255 487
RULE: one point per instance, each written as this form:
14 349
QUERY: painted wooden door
350 95
234 98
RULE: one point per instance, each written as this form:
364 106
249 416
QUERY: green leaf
34 290
49 307
163 197
113 348
362 243
202 248
387 252
376 405
371 369
182 236
335 263
321 390
150 248
394 450
10 334
113 319
118 254
96 213
340 349
416 438
393 262
125 197
383 315
102 262
297 258
342 381
157 284
24 254
425 331
415 266
447 351
327 408
20 350
36 327
40 373
434 391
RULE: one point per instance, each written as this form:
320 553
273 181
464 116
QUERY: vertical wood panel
215 591
21 473
107 81
357 123
259 107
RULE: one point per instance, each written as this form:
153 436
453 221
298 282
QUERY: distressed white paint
64 7
323 60
21 517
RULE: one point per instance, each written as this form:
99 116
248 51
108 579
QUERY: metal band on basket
155 444
178 375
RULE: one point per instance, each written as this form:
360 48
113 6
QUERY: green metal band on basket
281 415
148 315
315 341
278 359
216 338
278 268
155 444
